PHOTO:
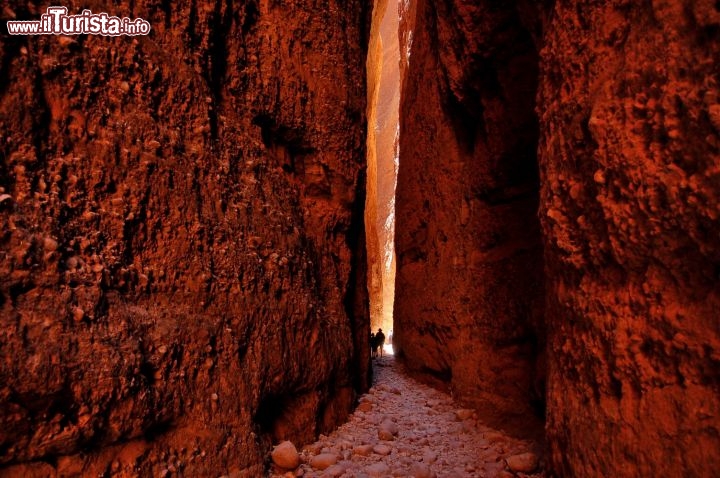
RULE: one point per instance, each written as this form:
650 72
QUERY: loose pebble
377 469
464 414
403 428
382 450
285 456
523 463
323 461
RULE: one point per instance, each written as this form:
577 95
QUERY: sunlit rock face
469 288
383 102
630 175
182 270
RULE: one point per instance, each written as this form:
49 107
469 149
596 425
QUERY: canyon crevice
383 68
194 230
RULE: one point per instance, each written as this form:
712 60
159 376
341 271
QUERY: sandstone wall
630 163
181 262
469 291
627 141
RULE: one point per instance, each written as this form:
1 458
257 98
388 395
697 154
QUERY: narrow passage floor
403 428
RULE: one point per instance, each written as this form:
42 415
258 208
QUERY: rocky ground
403 428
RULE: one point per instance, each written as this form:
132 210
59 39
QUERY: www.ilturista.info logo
57 22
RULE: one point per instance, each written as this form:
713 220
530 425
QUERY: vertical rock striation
181 271
629 155
469 290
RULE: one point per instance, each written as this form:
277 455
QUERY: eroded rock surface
469 291
627 141
630 163
181 268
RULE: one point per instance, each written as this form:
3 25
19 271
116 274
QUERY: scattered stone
438 438
523 463
390 426
323 461
495 437
382 450
468 426
421 470
363 450
384 434
464 414
334 471
377 470
429 456
285 455
313 448
489 456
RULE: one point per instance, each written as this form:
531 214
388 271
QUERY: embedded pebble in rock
429 442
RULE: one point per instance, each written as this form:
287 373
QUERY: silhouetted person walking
380 340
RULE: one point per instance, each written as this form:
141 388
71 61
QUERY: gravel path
403 428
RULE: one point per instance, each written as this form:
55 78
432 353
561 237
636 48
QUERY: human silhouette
380 340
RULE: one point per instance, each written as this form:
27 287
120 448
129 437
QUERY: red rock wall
469 291
630 163
181 269
628 141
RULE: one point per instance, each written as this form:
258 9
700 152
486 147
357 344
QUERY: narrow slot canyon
202 226
383 72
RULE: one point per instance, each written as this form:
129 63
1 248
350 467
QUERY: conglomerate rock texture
181 256
628 138
182 261
629 156
469 291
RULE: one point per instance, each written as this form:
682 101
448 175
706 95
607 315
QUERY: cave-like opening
383 70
